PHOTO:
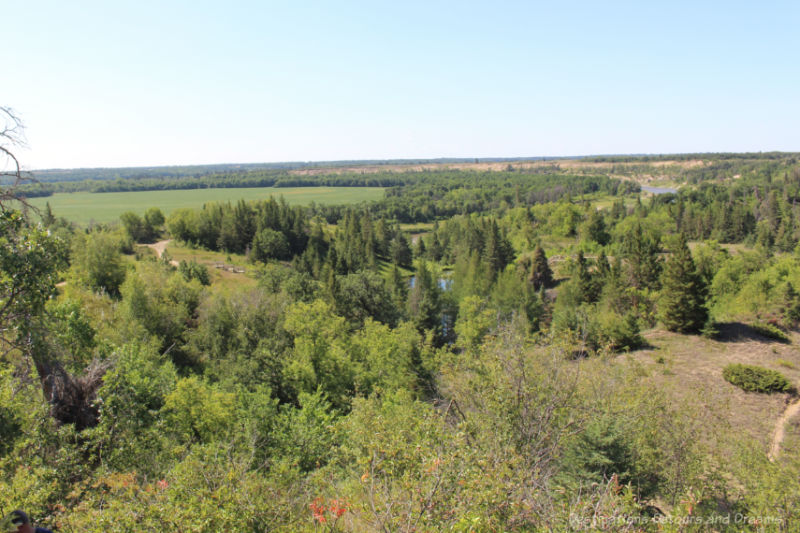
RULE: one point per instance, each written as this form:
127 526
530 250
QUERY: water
445 284
659 190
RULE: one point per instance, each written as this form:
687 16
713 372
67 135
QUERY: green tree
154 219
475 321
424 301
640 249
364 294
134 226
400 250
321 357
97 262
594 229
540 276
682 302
269 244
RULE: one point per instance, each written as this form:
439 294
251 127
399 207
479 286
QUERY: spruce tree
424 302
682 303
584 282
541 276
641 252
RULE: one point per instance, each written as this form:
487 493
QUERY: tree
541 276
96 259
154 218
134 226
682 303
585 283
269 244
364 294
400 250
424 301
641 250
594 229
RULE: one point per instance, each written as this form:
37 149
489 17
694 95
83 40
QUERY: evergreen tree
48 219
419 247
641 252
541 275
435 249
585 283
400 250
399 288
594 229
424 301
603 266
682 303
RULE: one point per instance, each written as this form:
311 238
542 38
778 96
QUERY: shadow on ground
739 331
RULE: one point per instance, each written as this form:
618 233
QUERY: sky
110 84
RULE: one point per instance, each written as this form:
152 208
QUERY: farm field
84 207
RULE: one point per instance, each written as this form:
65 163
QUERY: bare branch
12 176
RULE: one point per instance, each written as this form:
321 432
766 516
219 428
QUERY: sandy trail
780 429
160 247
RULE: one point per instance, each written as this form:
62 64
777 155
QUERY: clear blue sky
118 83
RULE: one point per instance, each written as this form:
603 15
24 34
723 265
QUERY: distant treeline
196 171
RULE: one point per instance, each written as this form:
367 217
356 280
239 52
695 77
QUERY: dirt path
780 429
160 247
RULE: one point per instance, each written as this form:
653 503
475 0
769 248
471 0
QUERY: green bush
756 379
620 332
194 270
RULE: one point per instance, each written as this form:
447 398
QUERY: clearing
690 367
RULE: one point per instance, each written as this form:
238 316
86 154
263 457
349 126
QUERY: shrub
620 332
756 379
194 270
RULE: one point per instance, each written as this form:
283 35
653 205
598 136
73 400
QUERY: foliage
198 411
269 244
756 379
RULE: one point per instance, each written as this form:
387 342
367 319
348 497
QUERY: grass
419 227
86 207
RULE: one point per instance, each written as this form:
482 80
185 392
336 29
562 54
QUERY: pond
445 284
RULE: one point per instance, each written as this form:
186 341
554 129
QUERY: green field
84 207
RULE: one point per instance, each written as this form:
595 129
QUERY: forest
539 348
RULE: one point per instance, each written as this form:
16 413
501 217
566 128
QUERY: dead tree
29 263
